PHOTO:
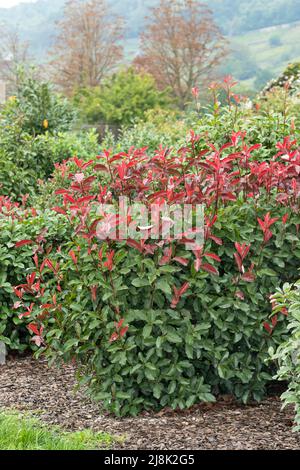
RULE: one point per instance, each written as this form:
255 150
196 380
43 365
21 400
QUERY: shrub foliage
287 301
150 323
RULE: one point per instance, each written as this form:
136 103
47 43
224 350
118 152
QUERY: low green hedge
15 263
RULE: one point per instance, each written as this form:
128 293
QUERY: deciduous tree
14 57
181 46
87 47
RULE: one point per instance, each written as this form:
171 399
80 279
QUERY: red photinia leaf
211 223
68 198
43 264
115 158
122 170
31 278
78 162
59 210
242 250
124 331
285 218
94 293
47 262
217 240
120 323
89 180
238 262
183 288
114 337
61 191
18 292
240 295
213 256
84 199
228 197
36 260
178 293
134 244
100 167
210 269
74 257
46 306
268 235
268 328
248 277
225 146
166 258
23 243
197 264
181 260
109 264
255 147
262 224
81 164
33 327
267 222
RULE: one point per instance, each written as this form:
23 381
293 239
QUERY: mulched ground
27 384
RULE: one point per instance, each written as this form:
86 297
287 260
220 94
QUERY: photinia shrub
150 322
17 222
286 301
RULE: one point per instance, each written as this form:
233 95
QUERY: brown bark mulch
26 384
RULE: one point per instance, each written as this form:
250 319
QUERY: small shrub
25 160
34 135
37 109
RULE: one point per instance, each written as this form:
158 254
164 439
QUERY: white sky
11 3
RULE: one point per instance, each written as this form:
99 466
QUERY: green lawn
24 432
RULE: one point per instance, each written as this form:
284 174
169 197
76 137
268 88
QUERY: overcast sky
11 3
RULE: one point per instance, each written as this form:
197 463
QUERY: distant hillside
236 18
258 56
240 16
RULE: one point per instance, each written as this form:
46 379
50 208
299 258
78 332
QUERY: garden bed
26 384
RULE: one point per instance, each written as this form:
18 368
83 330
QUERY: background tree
14 58
181 46
121 99
87 47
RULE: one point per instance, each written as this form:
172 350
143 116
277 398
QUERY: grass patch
24 432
